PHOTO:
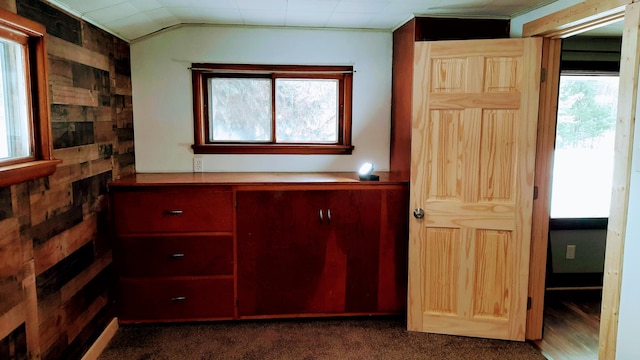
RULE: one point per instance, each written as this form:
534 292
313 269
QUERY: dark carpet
362 338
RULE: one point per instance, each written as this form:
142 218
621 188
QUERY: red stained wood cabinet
233 247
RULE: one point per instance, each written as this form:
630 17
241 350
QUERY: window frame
42 163
202 72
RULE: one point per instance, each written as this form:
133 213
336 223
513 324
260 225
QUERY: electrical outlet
197 164
571 252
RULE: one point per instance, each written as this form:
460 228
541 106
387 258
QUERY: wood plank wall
55 253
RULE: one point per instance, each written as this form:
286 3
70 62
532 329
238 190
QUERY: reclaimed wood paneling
14 345
6 208
58 23
66 50
70 134
55 254
97 40
65 112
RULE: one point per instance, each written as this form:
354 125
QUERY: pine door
475 110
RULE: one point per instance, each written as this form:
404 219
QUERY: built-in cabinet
174 252
321 251
215 247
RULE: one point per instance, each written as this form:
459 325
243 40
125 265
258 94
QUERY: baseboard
102 341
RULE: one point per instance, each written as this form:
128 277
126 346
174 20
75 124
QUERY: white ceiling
132 19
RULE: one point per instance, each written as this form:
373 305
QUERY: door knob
418 213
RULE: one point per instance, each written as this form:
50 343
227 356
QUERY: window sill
272 149
17 173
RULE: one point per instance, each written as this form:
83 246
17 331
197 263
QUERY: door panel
473 153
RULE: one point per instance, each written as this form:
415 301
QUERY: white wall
161 81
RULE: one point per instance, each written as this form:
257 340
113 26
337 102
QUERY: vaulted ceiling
132 19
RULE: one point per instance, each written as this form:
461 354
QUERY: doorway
580 196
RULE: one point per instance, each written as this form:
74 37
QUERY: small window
253 109
25 130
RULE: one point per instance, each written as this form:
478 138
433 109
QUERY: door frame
573 20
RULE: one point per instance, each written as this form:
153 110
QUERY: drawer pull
178 299
177 256
173 212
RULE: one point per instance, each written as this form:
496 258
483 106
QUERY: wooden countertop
261 178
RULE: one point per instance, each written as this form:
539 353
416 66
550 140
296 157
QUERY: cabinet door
283 249
355 224
292 261
394 241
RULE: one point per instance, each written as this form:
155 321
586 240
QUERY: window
267 109
584 151
25 130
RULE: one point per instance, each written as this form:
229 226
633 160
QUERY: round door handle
418 213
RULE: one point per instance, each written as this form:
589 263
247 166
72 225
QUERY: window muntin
16 138
584 150
272 109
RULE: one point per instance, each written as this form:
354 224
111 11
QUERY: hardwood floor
571 325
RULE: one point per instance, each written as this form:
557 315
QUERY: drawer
175 299
159 255
173 209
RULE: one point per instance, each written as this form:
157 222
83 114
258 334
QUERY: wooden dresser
221 246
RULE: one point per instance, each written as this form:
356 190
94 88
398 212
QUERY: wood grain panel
443 179
12 319
440 289
47 203
66 50
502 74
475 100
14 344
470 161
74 96
498 155
58 23
77 155
491 295
10 248
60 72
60 246
71 288
54 225
449 75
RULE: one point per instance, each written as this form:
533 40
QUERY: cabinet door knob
329 215
173 212
418 213
321 216
177 256
178 299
